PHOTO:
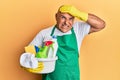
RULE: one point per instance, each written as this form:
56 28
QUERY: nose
66 22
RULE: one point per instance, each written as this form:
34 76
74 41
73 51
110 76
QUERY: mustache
64 24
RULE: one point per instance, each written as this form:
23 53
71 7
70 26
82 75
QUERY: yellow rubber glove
74 12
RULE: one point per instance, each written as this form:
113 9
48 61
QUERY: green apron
67 65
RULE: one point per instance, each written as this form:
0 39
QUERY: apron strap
53 30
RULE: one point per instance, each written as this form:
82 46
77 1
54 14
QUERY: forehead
65 14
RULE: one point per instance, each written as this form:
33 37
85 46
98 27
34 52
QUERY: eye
71 19
63 17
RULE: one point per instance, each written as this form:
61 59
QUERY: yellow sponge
30 49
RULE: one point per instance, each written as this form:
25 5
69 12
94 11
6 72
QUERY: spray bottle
55 45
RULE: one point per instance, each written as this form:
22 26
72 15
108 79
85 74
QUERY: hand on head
74 12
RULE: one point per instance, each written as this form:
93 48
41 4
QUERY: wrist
82 16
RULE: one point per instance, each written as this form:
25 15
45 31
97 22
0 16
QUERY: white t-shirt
81 29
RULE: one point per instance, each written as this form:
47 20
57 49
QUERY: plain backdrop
21 20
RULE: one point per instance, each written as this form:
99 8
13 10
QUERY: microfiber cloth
28 60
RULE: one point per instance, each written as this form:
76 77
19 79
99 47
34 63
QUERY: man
69 37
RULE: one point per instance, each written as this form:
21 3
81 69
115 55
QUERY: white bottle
53 50
55 45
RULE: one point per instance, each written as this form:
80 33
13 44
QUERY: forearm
96 23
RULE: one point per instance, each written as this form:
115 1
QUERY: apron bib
67 65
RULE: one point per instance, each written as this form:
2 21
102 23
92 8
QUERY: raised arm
96 23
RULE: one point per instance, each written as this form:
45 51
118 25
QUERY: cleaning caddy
40 60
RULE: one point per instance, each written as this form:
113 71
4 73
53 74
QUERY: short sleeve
81 28
42 36
38 39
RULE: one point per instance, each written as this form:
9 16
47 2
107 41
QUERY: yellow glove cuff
74 12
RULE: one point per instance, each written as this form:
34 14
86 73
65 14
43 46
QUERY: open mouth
65 26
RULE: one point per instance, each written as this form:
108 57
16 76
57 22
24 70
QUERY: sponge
30 49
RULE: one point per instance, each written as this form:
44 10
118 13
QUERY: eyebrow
71 17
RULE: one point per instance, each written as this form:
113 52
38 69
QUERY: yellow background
21 20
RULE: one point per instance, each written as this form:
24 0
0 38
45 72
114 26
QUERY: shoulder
81 27
46 33
80 24
47 30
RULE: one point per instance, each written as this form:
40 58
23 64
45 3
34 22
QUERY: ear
56 16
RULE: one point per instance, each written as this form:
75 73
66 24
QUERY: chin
64 31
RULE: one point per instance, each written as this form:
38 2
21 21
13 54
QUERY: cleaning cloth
28 60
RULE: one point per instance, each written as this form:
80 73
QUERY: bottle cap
54 36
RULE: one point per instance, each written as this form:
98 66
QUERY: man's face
64 21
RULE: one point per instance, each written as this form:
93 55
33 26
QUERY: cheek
71 23
60 22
